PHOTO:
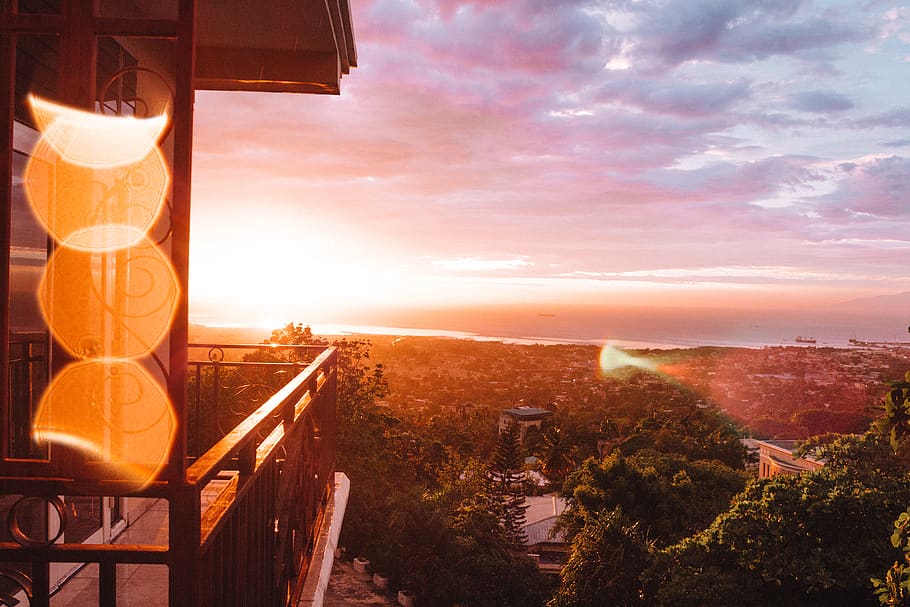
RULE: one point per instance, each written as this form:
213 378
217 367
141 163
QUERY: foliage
486 572
652 524
419 510
895 423
506 472
607 565
697 433
894 589
807 539
669 495
558 447
821 421
865 455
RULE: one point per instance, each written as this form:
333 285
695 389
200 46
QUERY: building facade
523 418
95 167
778 457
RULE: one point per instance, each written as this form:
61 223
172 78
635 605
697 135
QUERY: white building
777 457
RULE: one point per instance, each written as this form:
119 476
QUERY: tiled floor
146 585
137 585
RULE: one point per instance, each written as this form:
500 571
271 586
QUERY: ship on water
800 339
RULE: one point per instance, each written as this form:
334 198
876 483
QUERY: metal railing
252 543
28 361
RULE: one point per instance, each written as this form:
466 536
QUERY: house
777 457
547 547
523 418
98 424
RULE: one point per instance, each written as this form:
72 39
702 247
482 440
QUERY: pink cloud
493 130
874 191
735 31
679 98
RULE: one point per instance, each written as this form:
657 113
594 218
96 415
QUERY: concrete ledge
317 579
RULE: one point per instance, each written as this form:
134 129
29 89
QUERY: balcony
240 472
245 524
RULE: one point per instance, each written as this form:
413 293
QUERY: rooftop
528 412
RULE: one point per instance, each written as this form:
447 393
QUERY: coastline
629 343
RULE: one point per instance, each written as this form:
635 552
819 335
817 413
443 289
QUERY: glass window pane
36 60
136 76
83 517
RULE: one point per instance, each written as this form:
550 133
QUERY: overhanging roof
291 46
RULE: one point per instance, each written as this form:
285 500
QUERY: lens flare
95 208
96 140
667 365
109 304
111 409
98 184
613 359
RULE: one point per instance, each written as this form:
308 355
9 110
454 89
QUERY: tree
556 451
666 493
894 589
485 569
699 434
802 540
359 384
607 565
418 510
506 472
895 423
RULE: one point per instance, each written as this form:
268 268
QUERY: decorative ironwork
252 545
165 107
18 581
21 535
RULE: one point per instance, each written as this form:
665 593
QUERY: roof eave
244 45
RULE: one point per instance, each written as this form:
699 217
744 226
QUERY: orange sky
614 157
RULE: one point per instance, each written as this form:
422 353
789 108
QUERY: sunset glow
643 154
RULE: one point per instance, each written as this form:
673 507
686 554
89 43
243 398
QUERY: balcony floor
137 585
144 585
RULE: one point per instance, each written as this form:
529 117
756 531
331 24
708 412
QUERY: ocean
636 329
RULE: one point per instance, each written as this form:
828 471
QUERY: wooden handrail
208 465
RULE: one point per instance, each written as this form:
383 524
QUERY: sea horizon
833 337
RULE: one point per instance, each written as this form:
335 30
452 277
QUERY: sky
705 153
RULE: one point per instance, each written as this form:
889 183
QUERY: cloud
898 117
742 134
475 264
872 191
821 102
486 39
723 274
676 98
732 31
726 182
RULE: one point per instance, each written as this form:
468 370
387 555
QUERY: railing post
41 581
247 461
184 575
107 583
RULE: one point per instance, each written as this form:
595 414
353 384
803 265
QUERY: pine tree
507 491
